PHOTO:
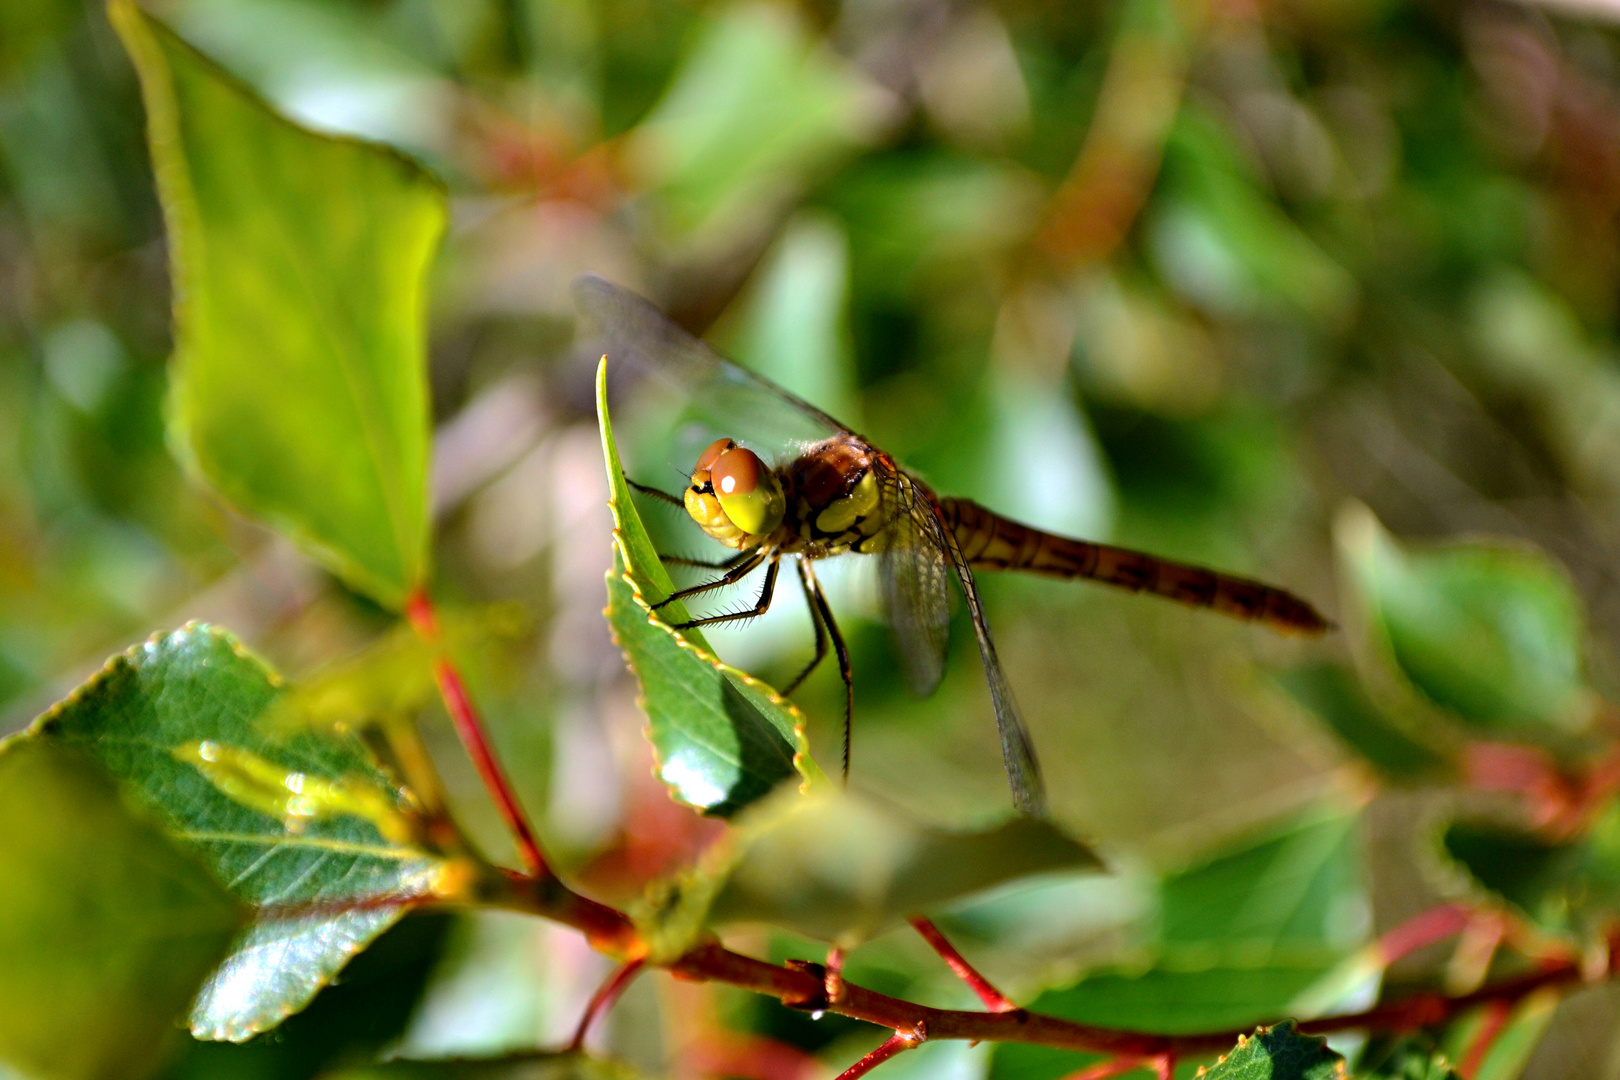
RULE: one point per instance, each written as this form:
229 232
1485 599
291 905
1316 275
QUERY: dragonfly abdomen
992 542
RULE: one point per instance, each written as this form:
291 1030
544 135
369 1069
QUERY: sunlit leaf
1279 1053
106 927
723 738
305 827
1494 634
299 263
843 867
1335 697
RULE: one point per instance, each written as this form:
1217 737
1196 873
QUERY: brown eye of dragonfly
707 459
736 472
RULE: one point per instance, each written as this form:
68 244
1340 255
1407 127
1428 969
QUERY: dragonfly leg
760 608
813 588
737 572
707 564
821 632
657 493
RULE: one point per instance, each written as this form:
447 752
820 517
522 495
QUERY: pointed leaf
723 739
1279 1053
107 928
299 264
304 826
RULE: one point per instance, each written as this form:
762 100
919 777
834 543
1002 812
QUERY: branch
993 999
419 610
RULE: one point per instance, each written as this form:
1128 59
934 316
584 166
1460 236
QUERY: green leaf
843 867
723 739
1494 634
538 1066
754 112
1510 1050
299 264
1238 939
1412 1058
1279 1053
1334 695
1571 886
107 928
302 825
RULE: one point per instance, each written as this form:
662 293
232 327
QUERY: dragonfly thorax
734 496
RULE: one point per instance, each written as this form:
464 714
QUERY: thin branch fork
993 999
897 1043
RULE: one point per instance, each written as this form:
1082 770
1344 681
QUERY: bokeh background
1189 275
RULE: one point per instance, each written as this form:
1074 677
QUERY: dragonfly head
734 496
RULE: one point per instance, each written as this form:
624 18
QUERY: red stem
894 1044
464 714
1420 931
603 1000
993 999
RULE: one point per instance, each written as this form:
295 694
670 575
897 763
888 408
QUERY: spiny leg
730 577
821 633
759 608
706 564
844 671
657 493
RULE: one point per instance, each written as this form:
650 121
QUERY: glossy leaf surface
305 827
1279 1053
723 738
299 376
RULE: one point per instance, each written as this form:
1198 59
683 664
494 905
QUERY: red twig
993 999
894 1044
1496 1018
1165 1066
601 1001
1421 931
419 610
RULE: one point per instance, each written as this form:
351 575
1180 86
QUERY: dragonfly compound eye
748 490
706 460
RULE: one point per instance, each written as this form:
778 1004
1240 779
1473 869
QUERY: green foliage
107 928
292 824
300 388
1494 634
842 868
723 738
1564 886
1334 695
1279 1053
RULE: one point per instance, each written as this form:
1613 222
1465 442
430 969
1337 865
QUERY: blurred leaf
755 110
1413 1058
516 1067
1278 1053
300 260
843 867
1238 939
107 928
1227 244
1334 695
723 739
1495 634
792 326
1563 887
1511 1049
299 824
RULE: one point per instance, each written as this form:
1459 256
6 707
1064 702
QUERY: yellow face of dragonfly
734 496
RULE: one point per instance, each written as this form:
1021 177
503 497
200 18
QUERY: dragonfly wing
916 599
921 554
733 401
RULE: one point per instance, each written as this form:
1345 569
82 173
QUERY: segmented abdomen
990 541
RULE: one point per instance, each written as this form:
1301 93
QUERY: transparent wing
920 554
732 401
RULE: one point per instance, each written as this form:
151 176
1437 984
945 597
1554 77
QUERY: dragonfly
828 491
